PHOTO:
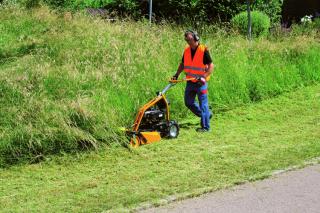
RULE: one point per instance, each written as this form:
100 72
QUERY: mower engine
153 122
153 116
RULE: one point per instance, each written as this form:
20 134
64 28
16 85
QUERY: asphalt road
291 192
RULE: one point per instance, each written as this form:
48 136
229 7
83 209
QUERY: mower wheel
173 130
135 141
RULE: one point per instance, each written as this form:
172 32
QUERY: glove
201 80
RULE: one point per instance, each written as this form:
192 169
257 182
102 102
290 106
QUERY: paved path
290 192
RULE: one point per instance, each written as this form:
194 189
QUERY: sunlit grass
246 144
67 84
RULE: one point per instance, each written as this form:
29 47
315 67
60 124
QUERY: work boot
202 130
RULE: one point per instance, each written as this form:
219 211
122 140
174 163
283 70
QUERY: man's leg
204 106
189 99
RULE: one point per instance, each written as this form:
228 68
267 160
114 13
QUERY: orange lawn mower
153 120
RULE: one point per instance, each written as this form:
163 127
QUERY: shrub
177 10
56 3
92 3
272 8
30 3
260 23
122 7
24 3
306 27
217 10
316 23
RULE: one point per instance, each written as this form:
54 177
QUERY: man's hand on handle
201 80
175 77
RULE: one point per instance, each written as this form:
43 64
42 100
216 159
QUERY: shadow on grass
13 54
188 124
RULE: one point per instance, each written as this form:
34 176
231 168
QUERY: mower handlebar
174 82
182 80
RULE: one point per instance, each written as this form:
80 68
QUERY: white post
150 11
249 20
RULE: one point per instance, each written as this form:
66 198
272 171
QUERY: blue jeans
200 109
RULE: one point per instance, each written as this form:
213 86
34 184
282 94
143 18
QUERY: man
197 64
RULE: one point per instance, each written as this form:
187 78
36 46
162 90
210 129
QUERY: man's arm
180 69
209 69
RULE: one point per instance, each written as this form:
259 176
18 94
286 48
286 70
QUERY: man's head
191 38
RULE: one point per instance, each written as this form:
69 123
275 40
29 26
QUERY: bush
56 3
177 10
272 8
217 10
123 7
120 7
97 4
316 23
260 23
306 27
30 3
23 3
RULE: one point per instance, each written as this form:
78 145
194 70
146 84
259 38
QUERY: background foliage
270 7
260 23
177 10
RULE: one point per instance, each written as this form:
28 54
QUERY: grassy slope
246 144
68 81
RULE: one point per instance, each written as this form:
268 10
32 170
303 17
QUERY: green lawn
246 144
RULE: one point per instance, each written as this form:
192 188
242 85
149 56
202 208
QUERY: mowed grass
245 144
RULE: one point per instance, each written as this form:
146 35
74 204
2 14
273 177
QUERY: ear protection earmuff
194 34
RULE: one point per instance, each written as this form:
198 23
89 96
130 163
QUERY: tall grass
68 82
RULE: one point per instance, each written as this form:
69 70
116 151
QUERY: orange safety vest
194 67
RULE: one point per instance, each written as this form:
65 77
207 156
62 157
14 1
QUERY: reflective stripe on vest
194 67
